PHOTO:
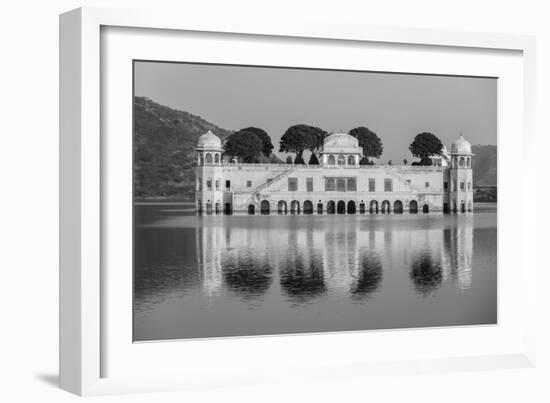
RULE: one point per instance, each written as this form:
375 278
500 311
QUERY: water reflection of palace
306 260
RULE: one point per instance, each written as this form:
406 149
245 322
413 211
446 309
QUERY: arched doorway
331 160
251 209
208 208
425 209
308 207
319 208
295 207
218 207
264 207
373 207
208 158
341 207
351 207
398 207
351 160
331 207
385 207
446 208
341 160
413 207
361 208
462 207
282 207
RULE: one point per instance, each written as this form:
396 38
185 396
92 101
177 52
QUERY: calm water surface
208 276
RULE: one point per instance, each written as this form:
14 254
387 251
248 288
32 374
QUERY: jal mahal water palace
338 185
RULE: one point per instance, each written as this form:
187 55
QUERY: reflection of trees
303 282
248 277
369 277
426 274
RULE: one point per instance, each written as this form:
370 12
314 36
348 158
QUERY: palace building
338 185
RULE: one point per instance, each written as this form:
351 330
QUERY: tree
299 159
299 138
289 159
318 136
245 145
424 146
369 141
313 160
267 145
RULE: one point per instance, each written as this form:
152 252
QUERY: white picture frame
90 341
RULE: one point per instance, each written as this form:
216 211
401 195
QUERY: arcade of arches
339 207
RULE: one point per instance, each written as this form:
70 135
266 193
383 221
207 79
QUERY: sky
395 106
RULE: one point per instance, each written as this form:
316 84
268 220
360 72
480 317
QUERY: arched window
208 158
373 207
281 207
294 207
461 163
331 160
217 158
398 207
351 160
351 207
413 207
341 207
341 160
308 207
386 207
331 207
264 207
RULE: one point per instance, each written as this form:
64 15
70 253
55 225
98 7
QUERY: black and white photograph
298 201
271 200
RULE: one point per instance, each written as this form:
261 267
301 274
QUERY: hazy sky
395 106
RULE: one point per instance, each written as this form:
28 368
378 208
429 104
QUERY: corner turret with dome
460 176
209 149
461 146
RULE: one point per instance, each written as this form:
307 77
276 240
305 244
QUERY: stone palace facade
338 185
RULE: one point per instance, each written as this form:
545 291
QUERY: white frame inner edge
96 355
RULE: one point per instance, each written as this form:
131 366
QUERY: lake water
210 276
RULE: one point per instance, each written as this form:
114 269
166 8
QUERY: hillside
164 141
484 165
164 150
